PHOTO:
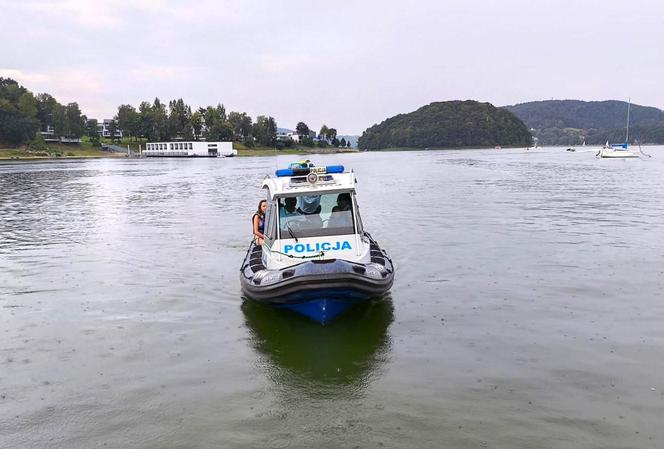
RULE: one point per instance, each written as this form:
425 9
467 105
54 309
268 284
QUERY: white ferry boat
189 149
317 259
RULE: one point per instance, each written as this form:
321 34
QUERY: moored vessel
619 150
189 149
616 151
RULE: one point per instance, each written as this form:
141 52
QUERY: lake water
527 309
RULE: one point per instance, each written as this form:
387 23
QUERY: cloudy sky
348 64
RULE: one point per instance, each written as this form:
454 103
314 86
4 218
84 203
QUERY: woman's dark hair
260 203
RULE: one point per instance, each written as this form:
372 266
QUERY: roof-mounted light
299 169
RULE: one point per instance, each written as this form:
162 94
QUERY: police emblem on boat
312 178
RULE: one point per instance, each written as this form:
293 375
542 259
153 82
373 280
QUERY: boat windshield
316 215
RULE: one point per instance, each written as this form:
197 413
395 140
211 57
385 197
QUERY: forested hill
448 124
570 122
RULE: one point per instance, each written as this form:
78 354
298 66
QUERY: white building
49 134
103 129
294 136
189 149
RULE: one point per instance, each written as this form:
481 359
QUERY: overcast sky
348 64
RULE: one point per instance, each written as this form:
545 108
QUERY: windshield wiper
290 231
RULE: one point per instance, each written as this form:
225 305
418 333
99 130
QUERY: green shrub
307 141
37 144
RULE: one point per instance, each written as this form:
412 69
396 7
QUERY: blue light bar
283 172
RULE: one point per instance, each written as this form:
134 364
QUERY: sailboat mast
629 101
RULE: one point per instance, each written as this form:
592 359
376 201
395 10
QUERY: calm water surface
527 310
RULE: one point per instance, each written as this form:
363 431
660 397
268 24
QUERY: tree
91 127
265 130
160 130
27 105
92 131
46 106
342 142
128 121
302 130
216 126
222 112
241 124
331 134
146 120
14 127
112 129
272 129
324 130
75 120
179 119
59 121
307 141
18 113
197 123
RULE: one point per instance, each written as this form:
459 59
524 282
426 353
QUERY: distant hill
570 122
448 124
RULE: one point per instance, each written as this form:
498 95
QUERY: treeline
23 115
643 133
157 122
448 124
571 122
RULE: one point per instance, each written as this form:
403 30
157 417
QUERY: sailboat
618 150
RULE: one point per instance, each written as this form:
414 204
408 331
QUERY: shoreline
12 154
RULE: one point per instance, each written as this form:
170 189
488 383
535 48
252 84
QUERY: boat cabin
312 214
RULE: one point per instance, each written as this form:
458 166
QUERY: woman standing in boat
258 221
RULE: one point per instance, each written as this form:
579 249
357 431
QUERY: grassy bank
243 150
56 151
65 151
86 150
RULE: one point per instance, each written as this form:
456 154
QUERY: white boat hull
611 153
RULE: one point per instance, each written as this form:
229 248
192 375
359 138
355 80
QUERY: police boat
317 259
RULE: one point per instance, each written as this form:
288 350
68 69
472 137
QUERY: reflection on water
338 359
